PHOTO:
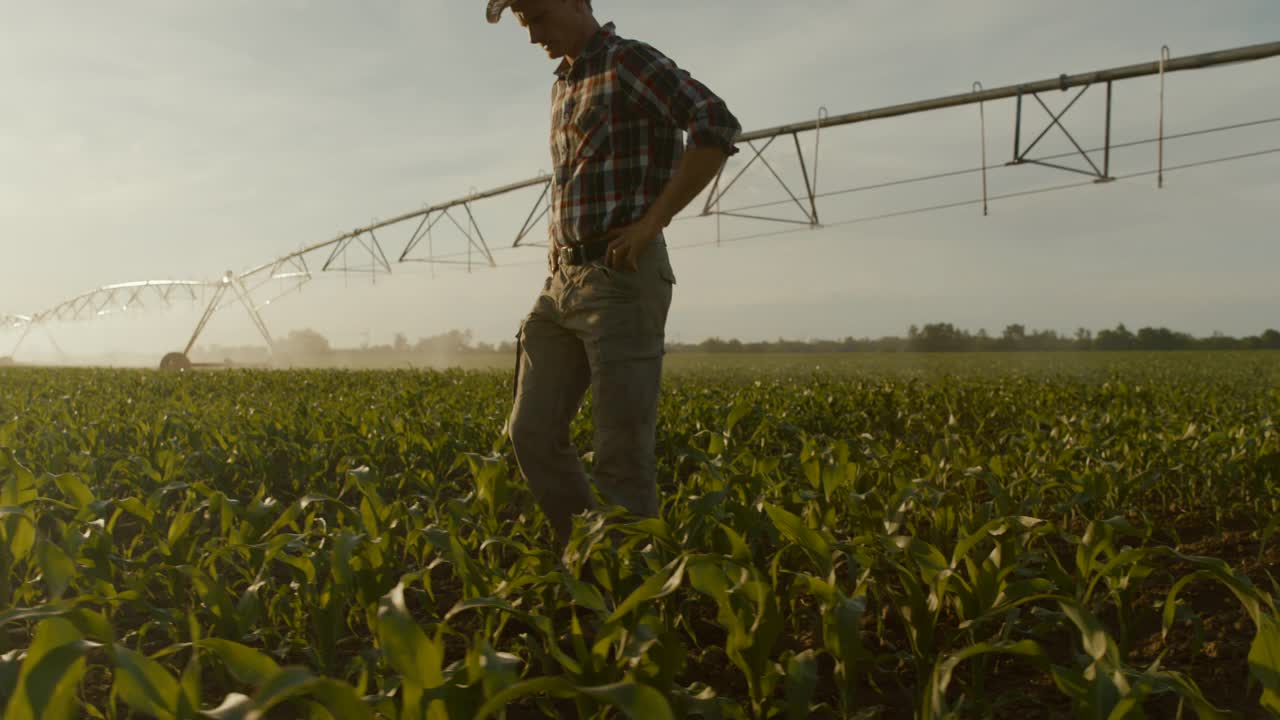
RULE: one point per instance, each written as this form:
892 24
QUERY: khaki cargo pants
598 328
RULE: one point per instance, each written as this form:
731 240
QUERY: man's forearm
698 167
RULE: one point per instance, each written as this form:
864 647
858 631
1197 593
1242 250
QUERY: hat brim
493 13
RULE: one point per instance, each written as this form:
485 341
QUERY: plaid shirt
617 117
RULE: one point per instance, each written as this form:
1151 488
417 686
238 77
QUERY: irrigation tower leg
246 300
182 360
26 329
54 342
204 318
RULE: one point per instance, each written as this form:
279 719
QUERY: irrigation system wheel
175 361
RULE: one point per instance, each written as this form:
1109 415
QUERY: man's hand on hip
697 167
629 243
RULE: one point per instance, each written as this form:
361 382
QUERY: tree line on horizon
931 337
946 337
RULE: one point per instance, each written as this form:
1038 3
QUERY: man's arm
669 94
698 166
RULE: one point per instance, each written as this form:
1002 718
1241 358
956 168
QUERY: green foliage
937 536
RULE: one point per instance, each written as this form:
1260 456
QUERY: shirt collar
597 43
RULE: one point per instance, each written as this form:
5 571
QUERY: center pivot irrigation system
294 270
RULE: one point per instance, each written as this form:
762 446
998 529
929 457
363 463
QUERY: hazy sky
149 139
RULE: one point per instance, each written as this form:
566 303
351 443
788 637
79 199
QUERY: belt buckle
571 255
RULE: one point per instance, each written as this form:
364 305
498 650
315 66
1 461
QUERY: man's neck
590 27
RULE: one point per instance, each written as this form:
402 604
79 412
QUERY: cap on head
493 13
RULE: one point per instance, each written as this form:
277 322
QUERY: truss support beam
208 313
809 210
236 286
297 282
1020 155
424 230
26 330
54 342
242 293
377 258
482 245
470 230
530 221
808 185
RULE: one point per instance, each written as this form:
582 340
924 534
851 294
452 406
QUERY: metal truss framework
370 257
108 300
141 295
121 297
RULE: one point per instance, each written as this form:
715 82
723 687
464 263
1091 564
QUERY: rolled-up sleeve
670 94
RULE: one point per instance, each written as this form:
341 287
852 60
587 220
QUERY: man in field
622 171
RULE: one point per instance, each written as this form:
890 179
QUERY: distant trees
310 348
304 343
1014 337
1163 339
946 337
1083 339
308 345
938 337
452 341
1118 339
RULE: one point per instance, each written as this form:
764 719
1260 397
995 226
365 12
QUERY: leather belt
581 253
